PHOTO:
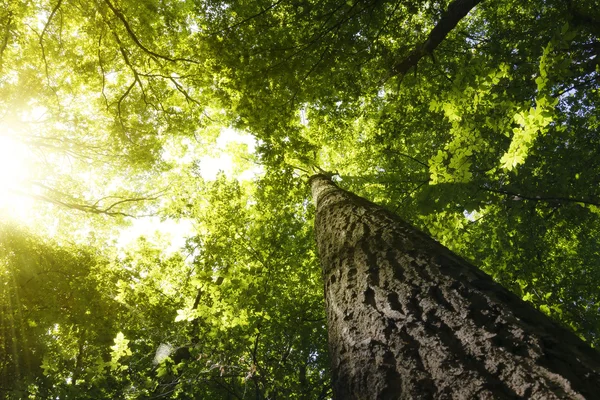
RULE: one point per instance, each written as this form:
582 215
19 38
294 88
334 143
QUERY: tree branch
243 21
547 199
137 41
392 151
6 35
54 10
94 208
456 11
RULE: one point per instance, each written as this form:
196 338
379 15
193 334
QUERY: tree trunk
408 319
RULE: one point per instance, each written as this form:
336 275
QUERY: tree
409 319
479 129
58 319
239 310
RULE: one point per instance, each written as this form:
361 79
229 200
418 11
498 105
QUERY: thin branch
410 194
54 10
322 32
131 200
407 156
136 75
227 388
74 206
326 392
5 36
547 199
102 70
300 169
91 208
310 71
255 363
264 11
67 146
137 41
387 21
119 110
184 92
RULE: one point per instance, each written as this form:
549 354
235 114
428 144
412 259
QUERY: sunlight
224 161
14 171
220 160
155 230
221 157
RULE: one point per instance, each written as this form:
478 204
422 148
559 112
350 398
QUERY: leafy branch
543 198
41 40
137 41
250 18
5 36
94 208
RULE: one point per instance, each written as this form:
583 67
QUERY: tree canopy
475 121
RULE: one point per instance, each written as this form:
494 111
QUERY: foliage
489 143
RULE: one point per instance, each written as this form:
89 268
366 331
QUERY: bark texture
408 319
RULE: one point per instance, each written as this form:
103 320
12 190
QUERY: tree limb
137 41
6 35
93 208
392 151
54 10
545 198
243 21
456 11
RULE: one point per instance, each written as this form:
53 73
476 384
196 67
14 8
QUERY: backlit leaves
490 145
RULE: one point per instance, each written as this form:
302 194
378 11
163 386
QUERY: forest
157 231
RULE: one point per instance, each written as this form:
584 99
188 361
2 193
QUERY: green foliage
490 144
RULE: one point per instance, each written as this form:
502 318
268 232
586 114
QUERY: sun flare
14 171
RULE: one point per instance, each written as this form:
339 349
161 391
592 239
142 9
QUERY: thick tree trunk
408 319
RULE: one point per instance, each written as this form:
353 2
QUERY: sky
13 172
219 159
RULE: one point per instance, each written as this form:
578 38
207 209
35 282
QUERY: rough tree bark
408 319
